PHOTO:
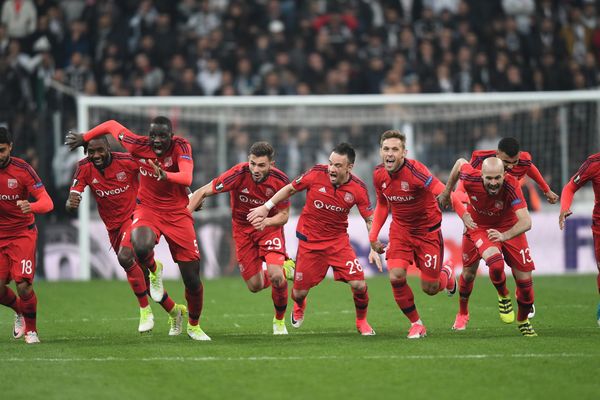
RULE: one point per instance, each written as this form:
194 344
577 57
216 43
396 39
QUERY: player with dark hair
496 219
250 184
113 178
18 236
409 190
322 230
516 162
588 172
166 167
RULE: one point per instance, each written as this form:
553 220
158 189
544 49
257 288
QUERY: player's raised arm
259 213
444 197
197 198
534 173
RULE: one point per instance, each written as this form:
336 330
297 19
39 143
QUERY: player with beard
250 184
18 236
322 230
496 219
409 190
166 172
114 181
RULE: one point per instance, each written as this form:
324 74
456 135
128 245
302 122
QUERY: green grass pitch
91 349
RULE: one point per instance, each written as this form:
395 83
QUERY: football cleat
532 312
364 328
176 317
156 284
196 333
460 323
297 316
505 308
19 328
417 331
289 267
279 327
526 328
452 285
146 320
31 337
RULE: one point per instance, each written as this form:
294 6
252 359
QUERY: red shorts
312 265
252 248
177 226
515 251
121 237
424 249
17 256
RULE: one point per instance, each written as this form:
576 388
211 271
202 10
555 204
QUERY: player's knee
2 290
359 285
254 287
431 288
24 289
299 295
468 275
126 258
276 278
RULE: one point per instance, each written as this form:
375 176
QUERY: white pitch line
301 358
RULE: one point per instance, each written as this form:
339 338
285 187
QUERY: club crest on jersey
499 204
121 176
348 197
12 183
168 162
269 192
219 186
404 186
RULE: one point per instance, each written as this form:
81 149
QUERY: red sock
166 302
443 280
405 299
524 298
300 304
135 277
149 262
280 299
266 280
361 302
9 299
194 301
495 264
28 306
464 290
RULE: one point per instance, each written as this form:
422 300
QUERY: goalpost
559 129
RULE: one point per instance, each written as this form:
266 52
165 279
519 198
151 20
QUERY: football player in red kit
18 236
251 184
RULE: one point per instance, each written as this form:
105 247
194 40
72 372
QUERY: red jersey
245 193
489 211
523 167
114 187
325 214
162 196
408 193
590 171
18 181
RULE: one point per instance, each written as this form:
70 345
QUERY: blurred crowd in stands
286 47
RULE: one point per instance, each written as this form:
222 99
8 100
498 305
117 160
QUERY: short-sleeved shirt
518 171
408 193
492 211
325 213
590 172
114 187
161 195
18 181
246 194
